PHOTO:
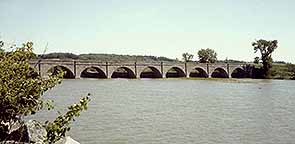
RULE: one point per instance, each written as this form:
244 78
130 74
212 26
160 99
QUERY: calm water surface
180 111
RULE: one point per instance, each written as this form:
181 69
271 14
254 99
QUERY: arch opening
198 72
68 74
219 73
93 72
239 73
32 73
123 72
150 72
175 72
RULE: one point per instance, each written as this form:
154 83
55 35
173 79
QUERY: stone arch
123 72
93 72
219 73
239 73
175 72
198 72
68 74
32 73
150 72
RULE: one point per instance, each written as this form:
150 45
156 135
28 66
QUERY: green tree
266 49
21 90
207 56
186 57
256 60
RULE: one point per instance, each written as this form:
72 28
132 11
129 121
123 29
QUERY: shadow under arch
93 72
123 72
175 72
239 73
150 72
68 74
198 72
32 73
219 73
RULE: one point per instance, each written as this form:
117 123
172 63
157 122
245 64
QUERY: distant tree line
106 57
59 56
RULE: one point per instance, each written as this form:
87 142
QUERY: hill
107 57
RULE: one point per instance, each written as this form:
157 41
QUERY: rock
67 140
13 142
36 132
31 131
17 132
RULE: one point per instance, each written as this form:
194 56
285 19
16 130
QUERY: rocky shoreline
31 131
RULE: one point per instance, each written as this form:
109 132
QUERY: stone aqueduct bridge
92 69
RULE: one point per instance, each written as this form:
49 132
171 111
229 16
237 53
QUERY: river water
179 111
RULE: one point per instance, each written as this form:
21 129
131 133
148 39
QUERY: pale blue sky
151 27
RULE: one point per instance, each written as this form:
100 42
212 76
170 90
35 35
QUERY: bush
21 90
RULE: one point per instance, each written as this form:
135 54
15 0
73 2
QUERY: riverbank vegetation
283 71
266 48
22 90
278 71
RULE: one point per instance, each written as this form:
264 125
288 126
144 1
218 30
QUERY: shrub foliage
21 90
